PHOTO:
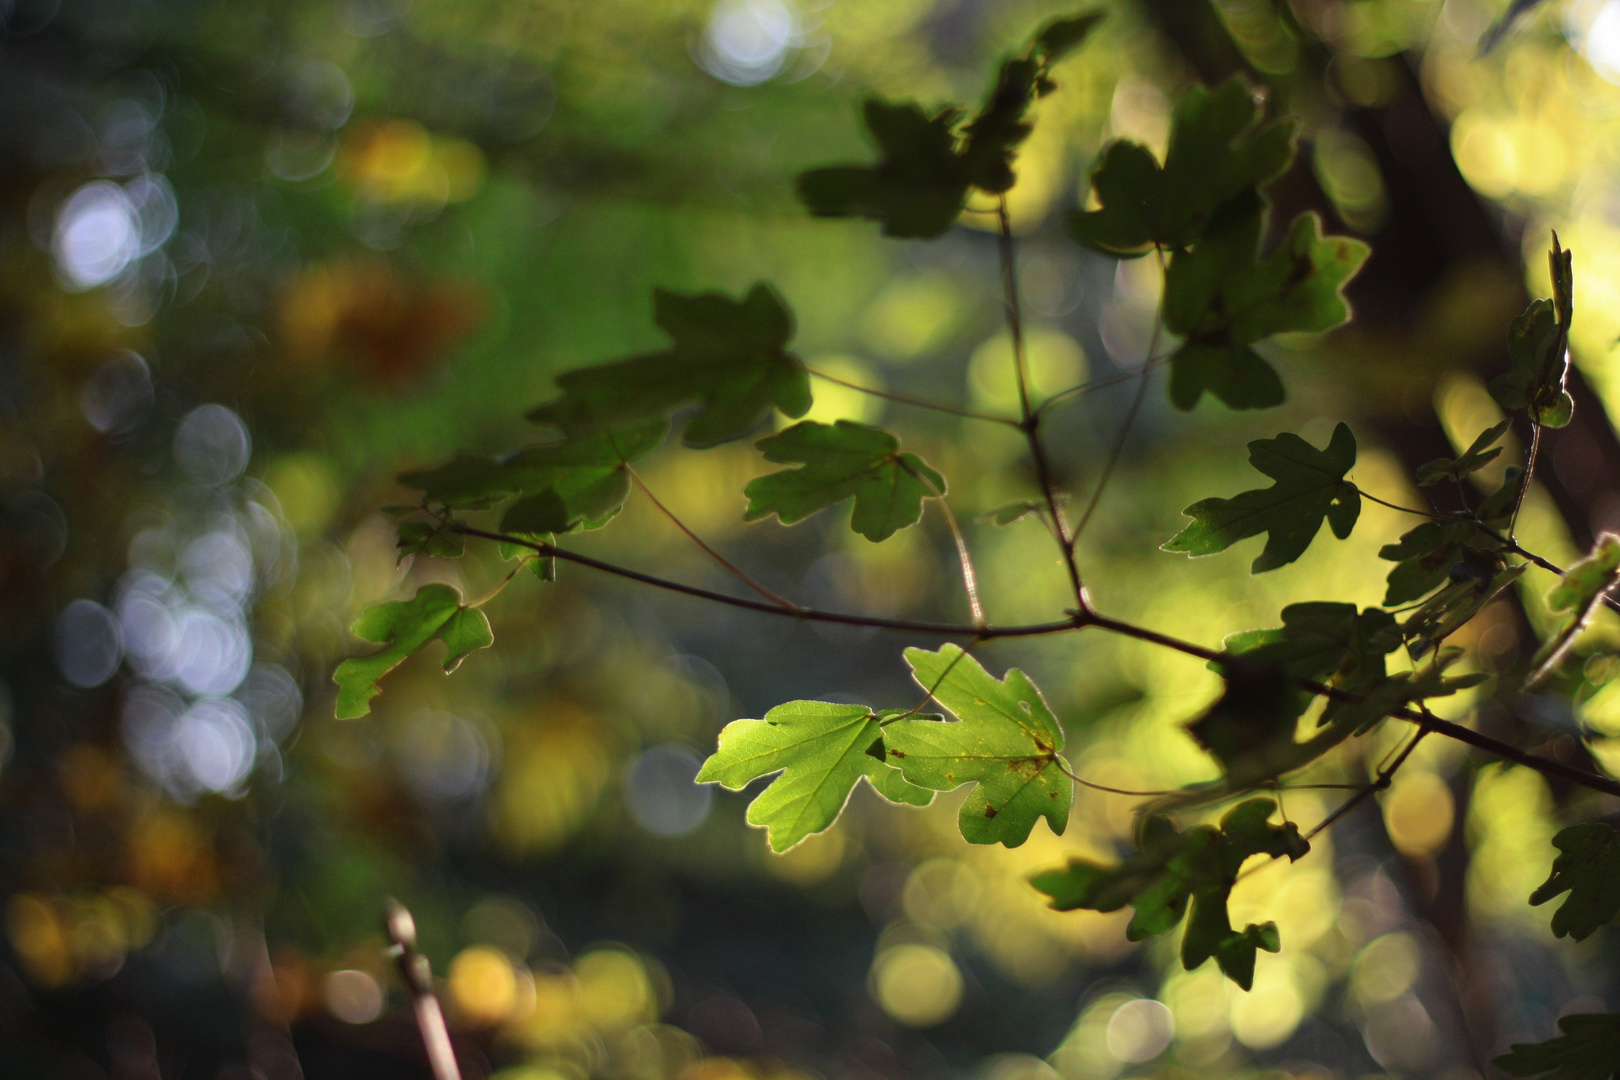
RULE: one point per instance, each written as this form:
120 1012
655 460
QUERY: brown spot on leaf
991 811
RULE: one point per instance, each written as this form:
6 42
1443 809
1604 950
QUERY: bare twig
413 966
725 563
970 580
1529 472
906 399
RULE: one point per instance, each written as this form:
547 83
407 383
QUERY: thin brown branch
795 612
906 399
1118 448
413 966
725 563
1102 383
1032 422
1529 474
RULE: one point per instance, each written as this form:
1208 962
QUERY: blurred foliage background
259 257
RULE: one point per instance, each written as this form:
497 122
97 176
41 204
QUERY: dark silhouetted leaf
432 539
404 626
1478 455
1588 1049
1174 869
841 461
1309 486
1006 741
821 750
1217 151
1222 301
728 356
1444 613
1538 344
1588 868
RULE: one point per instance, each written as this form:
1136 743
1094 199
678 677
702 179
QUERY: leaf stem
1529 472
906 399
970 581
730 567
1103 382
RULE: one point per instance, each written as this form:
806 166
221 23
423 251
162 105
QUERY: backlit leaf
1588 868
1309 486
1480 453
1538 345
729 357
841 461
435 613
1005 740
1222 301
821 749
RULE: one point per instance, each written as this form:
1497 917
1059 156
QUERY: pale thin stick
970 580
413 966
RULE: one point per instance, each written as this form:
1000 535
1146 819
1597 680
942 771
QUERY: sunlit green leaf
729 357
841 461
821 749
1309 486
1222 301
1588 868
1588 1049
1218 150
1587 578
1176 869
1005 740
435 613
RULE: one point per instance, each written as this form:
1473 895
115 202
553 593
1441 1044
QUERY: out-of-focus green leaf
1309 486
543 567
1584 580
1321 639
822 750
432 539
841 461
923 176
1222 301
918 186
1217 151
1173 869
728 356
1588 868
1005 740
1399 690
1588 1049
1479 454
404 626
1446 611
579 483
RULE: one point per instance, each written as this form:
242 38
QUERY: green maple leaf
430 538
1005 740
1538 344
1322 639
925 170
822 750
1379 699
435 613
1588 868
1588 1049
1222 301
1452 550
575 484
1480 453
1175 870
841 461
1218 151
1309 486
728 356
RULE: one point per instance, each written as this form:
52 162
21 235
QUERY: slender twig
730 567
501 585
1031 425
1365 494
906 399
1103 383
794 612
1078 619
970 580
1366 792
1557 649
1118 448
419 980
1529 471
